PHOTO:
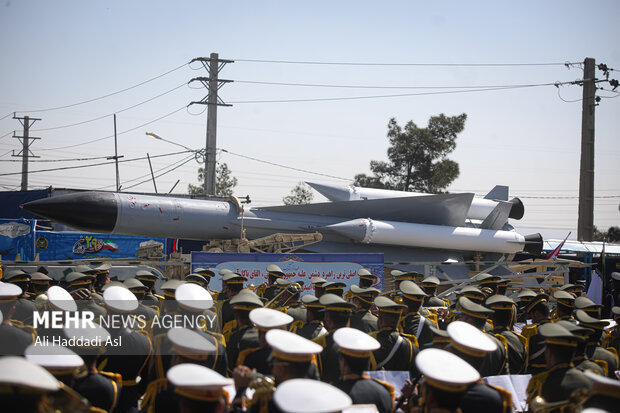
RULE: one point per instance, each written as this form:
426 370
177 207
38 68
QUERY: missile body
147 215
479 208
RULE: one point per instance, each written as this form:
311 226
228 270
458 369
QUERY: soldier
13 340
575 289
317 283
23 385
525 297
310 396
580 359
473 293
565 307
294 306
502 285
199 389
612 298
274 272
368 279
264 319
196 279
362 299
60 361
594 351
446 378
80 287
474 346
337 314
245 334
560 379
604 395
486 280
495 362
100 388
429 286
232 284
292 357
355 350
502 326
588 306
208 275
130 358
39 283
538 311
313 327
148 279
102 277
334 287
139 290
397 351
24 307
413 323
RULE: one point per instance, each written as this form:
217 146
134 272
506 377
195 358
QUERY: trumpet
572 404
284 297
263 386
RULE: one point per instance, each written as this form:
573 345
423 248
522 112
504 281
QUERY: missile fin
498 193
443 209
498 217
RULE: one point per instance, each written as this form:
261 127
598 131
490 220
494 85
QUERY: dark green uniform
363 320
312 330
557 383
412 324
397 352
517 356
368 391
243 338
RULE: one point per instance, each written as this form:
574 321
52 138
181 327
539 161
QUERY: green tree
417 156
301 194
224 182
611 235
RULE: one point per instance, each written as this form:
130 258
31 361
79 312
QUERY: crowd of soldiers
268 348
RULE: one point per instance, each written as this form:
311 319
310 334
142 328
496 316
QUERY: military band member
313 327
39 283
355 350
140 290
580 359
413 323
60 361
362 299
245 334
446 378
565 307
80 286
199 389
495 362
397 351
232 284
612 298
589 306
594 351
474 346
13 340
102 276
502 285
148 279
317 283
367 279
614 343
429 286
538 311
502 325
604 394
560 379
525 297
24 307
486 280
575 289
264 319
310 396
196 279
334 287
208 275
274 272
473 293
23 385
337 314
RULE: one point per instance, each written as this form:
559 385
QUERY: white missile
479 209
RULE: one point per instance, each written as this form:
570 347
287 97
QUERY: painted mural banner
84 245
297 267
16 238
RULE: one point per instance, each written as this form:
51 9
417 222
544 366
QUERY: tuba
284 297
572 404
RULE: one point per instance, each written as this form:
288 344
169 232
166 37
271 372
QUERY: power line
116 112
56 160
120 133
91 165
403 64
162 174
104 96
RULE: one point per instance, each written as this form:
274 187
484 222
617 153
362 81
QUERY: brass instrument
572 404
264 387
284 297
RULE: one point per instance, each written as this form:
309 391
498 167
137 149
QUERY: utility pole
116 158
25 153
213 64
585 223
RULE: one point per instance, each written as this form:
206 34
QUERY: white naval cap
470 340
310 396
60 299
445 370
267 318
9 291
291 347
92 337
197 382
17 372
58 360
355 343
193 297
190 344
120 299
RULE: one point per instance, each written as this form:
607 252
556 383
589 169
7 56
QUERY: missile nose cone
331 192
88 211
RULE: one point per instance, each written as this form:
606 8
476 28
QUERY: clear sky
60 53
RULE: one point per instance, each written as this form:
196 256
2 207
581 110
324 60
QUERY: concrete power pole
213 64
585 224
25 153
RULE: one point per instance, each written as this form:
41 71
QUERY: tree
301 194
224 183
611 235
417 156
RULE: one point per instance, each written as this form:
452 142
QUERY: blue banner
16 237
54 246
298 267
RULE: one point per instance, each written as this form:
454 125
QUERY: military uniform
13 340
362 318
244 336
515 343
594 351
413 323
